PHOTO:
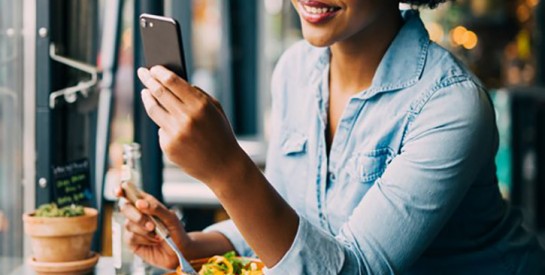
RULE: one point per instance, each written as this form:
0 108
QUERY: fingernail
156 69
143 92
133 215
159 72
150 226
142 73
143 95
142 204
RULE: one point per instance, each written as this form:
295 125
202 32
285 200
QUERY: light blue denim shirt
410 184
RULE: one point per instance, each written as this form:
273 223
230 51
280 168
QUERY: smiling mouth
317 12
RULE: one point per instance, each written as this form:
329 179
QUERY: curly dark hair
430 3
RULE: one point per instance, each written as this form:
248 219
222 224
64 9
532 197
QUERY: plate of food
226 264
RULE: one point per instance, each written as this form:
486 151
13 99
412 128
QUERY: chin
318 38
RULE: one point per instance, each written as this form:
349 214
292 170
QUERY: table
105 266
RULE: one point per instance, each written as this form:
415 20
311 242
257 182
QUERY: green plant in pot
61 235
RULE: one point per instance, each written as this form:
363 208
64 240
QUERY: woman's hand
194 132
139 231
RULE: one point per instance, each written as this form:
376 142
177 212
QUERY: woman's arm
195 134
266 221
207 244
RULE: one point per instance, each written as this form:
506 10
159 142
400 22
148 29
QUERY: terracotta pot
61 239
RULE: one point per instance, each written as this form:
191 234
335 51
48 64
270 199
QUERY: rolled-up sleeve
230 231
313 251
450 138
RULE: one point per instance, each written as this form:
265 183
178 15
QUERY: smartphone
162 41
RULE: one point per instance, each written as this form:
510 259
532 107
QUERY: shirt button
322 219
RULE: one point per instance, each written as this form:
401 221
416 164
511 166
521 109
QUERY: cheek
360 13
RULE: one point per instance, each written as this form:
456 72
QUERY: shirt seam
416 106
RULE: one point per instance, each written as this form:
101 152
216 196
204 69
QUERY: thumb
151 206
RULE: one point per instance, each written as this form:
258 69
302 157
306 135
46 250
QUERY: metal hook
70 93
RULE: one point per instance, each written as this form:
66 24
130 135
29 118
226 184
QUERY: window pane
206 45
282 29
122 127
204 41
11 91
494 38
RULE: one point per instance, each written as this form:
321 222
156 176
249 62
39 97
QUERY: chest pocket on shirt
359 174
366 167
293 143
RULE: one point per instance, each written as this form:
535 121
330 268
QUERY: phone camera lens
143 23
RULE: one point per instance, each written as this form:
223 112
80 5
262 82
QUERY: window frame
29 111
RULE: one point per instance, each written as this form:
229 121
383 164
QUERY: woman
381 158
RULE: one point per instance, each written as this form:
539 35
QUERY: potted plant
60 235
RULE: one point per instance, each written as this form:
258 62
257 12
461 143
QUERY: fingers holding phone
171 92
194 134
191 121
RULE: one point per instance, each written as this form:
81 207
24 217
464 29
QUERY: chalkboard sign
71 183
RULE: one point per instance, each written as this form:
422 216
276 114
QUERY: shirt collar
403 63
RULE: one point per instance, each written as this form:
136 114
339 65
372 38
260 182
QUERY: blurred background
231 48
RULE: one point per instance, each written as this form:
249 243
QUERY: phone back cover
162 45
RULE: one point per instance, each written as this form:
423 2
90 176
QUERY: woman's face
325 22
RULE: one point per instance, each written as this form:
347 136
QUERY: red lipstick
316 12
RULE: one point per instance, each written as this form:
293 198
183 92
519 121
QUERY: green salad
230 264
